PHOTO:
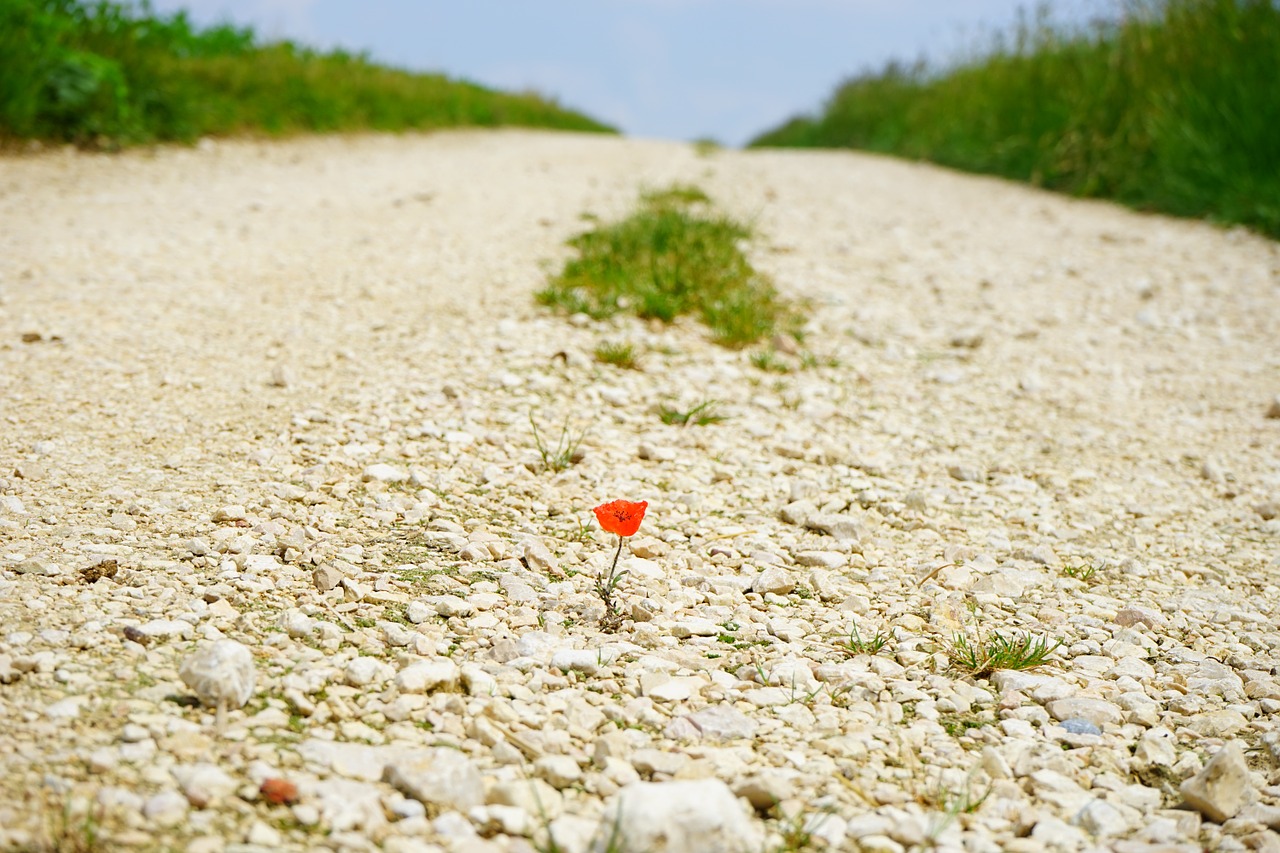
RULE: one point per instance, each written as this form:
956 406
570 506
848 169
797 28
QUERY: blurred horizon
680 69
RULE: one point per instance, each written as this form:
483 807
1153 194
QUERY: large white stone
676 817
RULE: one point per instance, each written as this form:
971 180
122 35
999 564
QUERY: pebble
428 676
1096 711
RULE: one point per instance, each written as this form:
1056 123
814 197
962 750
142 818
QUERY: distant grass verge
674 255
108 74
1168 105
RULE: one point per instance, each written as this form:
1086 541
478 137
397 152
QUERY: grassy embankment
1173 106
107 74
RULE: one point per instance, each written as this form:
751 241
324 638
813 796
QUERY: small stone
1080 726
167 808
842 528
653 761
534 796
1054 834
444 778
221 674
326 577
798 512
1101 819
364 671
429 676
230 512
65 710
203 783
722 722
297 624
586 661
560 771
764 790
1097 711
1219 790
774 580
966 473
1273 410
694 628
262 836
539 558
163 629
822 559
449 606
381 472
1219 724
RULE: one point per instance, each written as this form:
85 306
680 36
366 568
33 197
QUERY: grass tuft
1082 571
565 452
617 354
1165 105
769 361
673 256
856 645
984 657
703 414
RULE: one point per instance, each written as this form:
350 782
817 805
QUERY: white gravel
280 393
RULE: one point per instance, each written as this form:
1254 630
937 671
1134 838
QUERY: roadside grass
674 255
109 74
1166 105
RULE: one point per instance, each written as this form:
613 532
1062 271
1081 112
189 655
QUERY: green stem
616 555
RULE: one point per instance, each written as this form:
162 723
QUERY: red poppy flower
621 517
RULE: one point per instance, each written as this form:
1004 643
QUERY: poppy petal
621 517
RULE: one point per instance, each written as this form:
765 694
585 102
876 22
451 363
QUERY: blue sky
680 69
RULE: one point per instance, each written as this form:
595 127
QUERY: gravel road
280 393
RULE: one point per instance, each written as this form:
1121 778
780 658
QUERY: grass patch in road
673 256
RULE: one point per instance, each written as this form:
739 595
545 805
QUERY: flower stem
616 555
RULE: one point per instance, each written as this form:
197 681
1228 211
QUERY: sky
679 69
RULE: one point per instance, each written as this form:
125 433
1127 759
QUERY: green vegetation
769 362
857 645
1170 106
567 449
984 657
617 354
1081 571
703 414
107 73
673 256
